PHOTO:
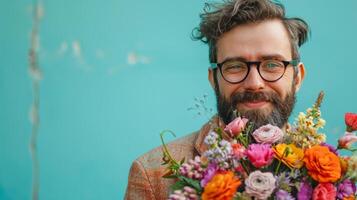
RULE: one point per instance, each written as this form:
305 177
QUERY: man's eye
272 65
234 68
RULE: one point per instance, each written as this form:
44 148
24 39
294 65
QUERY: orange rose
351 197
222 186
322 165
289 154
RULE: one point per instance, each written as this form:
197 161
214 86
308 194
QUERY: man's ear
300 76
211 78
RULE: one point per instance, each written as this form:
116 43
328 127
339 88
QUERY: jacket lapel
199 144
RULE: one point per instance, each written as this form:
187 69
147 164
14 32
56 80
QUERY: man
256 71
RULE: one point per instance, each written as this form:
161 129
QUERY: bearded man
255 71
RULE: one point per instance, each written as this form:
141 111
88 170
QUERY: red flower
351 121
324 191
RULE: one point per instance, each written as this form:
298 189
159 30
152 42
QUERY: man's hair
219 18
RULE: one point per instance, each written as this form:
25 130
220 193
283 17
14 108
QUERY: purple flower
209 173
345 189
211 138
331 148
305 192
220 153
284 181
283 195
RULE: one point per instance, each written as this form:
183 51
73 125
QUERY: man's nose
254 81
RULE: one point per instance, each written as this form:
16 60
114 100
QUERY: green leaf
219 132
182 161
175 166
191 182
178 185
170 176
168 173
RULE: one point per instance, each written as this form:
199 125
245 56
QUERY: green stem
277 168
284 154
166 151
319 100
244 167
243 141
349 129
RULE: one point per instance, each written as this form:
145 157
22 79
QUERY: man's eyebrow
272 56
263 57
234 58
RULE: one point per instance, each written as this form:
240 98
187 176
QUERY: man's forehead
261 56
255 40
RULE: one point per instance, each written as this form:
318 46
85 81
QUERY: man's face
260 101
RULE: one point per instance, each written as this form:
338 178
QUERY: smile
255 104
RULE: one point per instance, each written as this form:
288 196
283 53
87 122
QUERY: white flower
260 185
268 134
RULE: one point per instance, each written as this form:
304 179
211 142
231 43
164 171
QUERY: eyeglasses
236 71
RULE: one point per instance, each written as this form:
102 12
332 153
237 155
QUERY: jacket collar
199 144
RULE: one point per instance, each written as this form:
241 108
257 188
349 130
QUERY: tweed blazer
145 178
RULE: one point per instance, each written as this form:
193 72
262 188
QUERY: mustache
247 96
228 110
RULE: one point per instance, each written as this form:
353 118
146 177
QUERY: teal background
100 109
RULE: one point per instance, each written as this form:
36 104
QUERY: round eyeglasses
236 71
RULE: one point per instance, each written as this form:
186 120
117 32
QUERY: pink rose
268 134
236 126
324 191
347 140
260 154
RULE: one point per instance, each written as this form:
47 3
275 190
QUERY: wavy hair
219 18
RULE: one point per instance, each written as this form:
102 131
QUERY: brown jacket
145 177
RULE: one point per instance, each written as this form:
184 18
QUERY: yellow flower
290 155
344 164
320 123
321 138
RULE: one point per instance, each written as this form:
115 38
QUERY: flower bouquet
268 163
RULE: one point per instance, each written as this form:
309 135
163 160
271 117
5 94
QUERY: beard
278 116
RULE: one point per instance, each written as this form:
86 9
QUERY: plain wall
135 75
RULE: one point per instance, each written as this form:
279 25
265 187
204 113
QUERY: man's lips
254 104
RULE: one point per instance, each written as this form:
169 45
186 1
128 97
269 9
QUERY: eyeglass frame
293 63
